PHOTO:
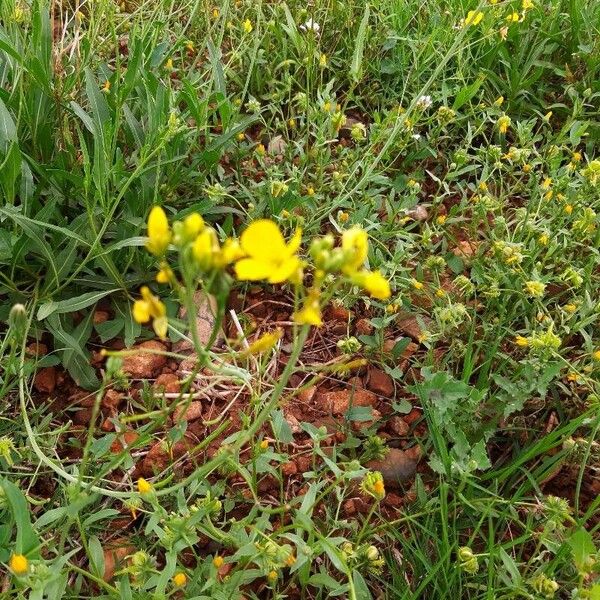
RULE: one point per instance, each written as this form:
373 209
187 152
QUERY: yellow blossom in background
215 13
310 313
268 255
143 486
503 123
159 233
272 575
260 150
106 87
441 219
150 307
373 485
229 253
570 308
165 274
18 564
499 101
527 5
205 247
179 579
355 244
192 225
576 157
547 183
323 61
473 17
218 561
247 26
569 209
596 355
265 342
169 64
521 341
535 289
374 283
513 17
544 239
418 285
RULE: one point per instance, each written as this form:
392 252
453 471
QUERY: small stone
465 249
307 394
277 146
143 364
349 508
362 425
418 213
206 312
412 416
293 423
191 413
83 416
399 426
114 557
112 399
45 380
168 383
364 327
414 453
101 316
289 468
409 325
380 382
304 463
396 467
36 349
124 440
162 454
337 312
338 403
393 500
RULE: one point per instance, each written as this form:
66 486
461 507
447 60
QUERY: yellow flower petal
250 269
141 311
355 243
159 234
263 240
284 270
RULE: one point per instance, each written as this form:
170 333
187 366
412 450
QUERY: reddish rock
380 382
465 250
396 467
338 403
409 325
363 327
100 316
399 426
36 349
82 416
206 311
412 416
114 557
168 382
124 440
112 399
360 425
393 500
145 363
304 463
45 380
349 508
337 312
307 394
355 382
414 453
289 468
162 454
191 413
418 213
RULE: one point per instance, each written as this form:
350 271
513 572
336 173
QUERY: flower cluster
260 254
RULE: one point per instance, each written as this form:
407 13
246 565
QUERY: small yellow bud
18 564
179 579
218 561
569 209
143 486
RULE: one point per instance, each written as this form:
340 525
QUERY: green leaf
582 547
8 130
96 556
27 541
467 93
71 304
357 57
360 586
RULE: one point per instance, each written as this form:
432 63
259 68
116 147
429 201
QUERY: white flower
311 25
424 102
416 136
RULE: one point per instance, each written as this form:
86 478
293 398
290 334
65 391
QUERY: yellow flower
150 307
264 444
143 486
215 13
218 561
499 101
596 355
576 157
192 225
521 341
572 376
503 123
310 313
355 244
570 308
513 17
106 87
418 285
547 183
268 255
179 579
310 191
544 239
373 485
323 61
159 233
229 253
441 219
272 575
527 168
535 289
205 248
169 64
374 283
18 564
569 209
241 136
527 5
440 293
247 25
165 274
473 18
260 150
265 342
